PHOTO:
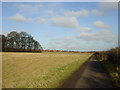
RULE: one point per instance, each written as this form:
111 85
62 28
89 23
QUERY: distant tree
22 41
2 42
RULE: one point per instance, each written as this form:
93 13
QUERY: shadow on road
90 75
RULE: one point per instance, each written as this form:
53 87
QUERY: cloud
63 21
70 43
100 24
29 9
103 35
41 20
108 5
97 12
85 29
77 13
64 43
104 8
20 18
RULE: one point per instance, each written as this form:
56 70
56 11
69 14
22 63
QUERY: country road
90 75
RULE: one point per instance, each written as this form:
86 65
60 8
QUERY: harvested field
39 70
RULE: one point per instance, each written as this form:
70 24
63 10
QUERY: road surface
90 75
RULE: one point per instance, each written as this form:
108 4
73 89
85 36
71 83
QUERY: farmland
39 70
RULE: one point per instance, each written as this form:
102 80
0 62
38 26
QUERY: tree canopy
22 41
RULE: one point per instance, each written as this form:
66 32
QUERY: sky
60 0
76 26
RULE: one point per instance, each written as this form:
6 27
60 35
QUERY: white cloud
63 21
20 18
29 9
41 20
65 40
65 43
108 5
70 43
97 12
104 8
85 29
77 13
100 24
103 35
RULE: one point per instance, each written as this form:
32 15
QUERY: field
39 70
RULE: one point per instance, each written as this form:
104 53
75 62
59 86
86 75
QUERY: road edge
66 83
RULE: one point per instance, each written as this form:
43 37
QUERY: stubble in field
39 70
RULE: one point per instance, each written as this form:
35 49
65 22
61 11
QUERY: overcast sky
80 26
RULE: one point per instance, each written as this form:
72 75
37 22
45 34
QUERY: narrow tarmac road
91 75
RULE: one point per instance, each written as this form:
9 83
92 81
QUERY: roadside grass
39 70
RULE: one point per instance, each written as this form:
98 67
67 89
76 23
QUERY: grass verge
112 72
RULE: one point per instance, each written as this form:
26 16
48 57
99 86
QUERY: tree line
19 42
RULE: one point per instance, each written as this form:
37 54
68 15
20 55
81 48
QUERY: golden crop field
39 70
